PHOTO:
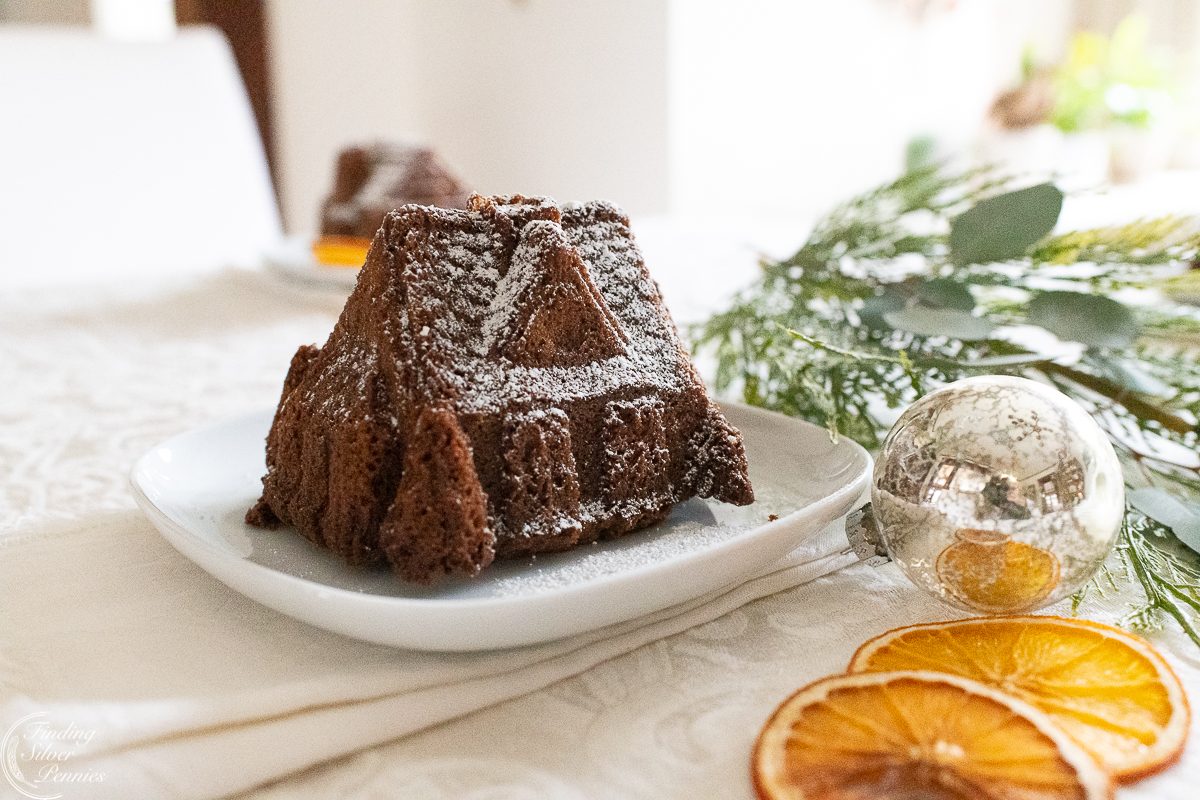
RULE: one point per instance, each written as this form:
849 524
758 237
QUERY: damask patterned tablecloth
94 375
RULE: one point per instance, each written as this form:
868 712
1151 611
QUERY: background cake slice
504 380
371 180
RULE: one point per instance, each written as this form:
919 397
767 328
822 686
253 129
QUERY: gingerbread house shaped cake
504 380
371 180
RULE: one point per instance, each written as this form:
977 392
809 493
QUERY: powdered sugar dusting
459 278
693 526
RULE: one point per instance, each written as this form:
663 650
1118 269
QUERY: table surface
106 369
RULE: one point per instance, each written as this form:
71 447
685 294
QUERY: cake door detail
636 474
543 486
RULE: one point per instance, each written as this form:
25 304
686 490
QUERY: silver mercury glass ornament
997 495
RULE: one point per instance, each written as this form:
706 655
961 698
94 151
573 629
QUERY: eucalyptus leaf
1008 361
1183 288
946 293
919 153
876 308
1166 509
940 322
1086 318
1004 227
1128 374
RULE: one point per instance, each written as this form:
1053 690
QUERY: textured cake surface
503 380
371 180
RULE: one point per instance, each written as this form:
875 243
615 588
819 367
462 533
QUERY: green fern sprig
1170 582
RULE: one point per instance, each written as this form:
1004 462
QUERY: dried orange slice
341 251
917 735
1109 690
989 572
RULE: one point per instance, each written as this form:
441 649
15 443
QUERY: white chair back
119 158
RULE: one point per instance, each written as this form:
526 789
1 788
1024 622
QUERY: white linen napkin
678 719
175 686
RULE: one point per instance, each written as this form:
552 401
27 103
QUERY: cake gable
547 312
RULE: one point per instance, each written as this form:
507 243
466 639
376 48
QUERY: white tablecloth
94 375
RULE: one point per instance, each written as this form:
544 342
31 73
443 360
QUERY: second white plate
293 260
196 488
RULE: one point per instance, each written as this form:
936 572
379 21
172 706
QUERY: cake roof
519 302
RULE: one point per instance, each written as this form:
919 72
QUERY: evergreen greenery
924 280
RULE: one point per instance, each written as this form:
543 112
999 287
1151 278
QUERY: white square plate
196 489
292 259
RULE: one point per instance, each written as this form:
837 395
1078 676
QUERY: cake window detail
637 458
543 484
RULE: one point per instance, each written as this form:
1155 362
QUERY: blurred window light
134 20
